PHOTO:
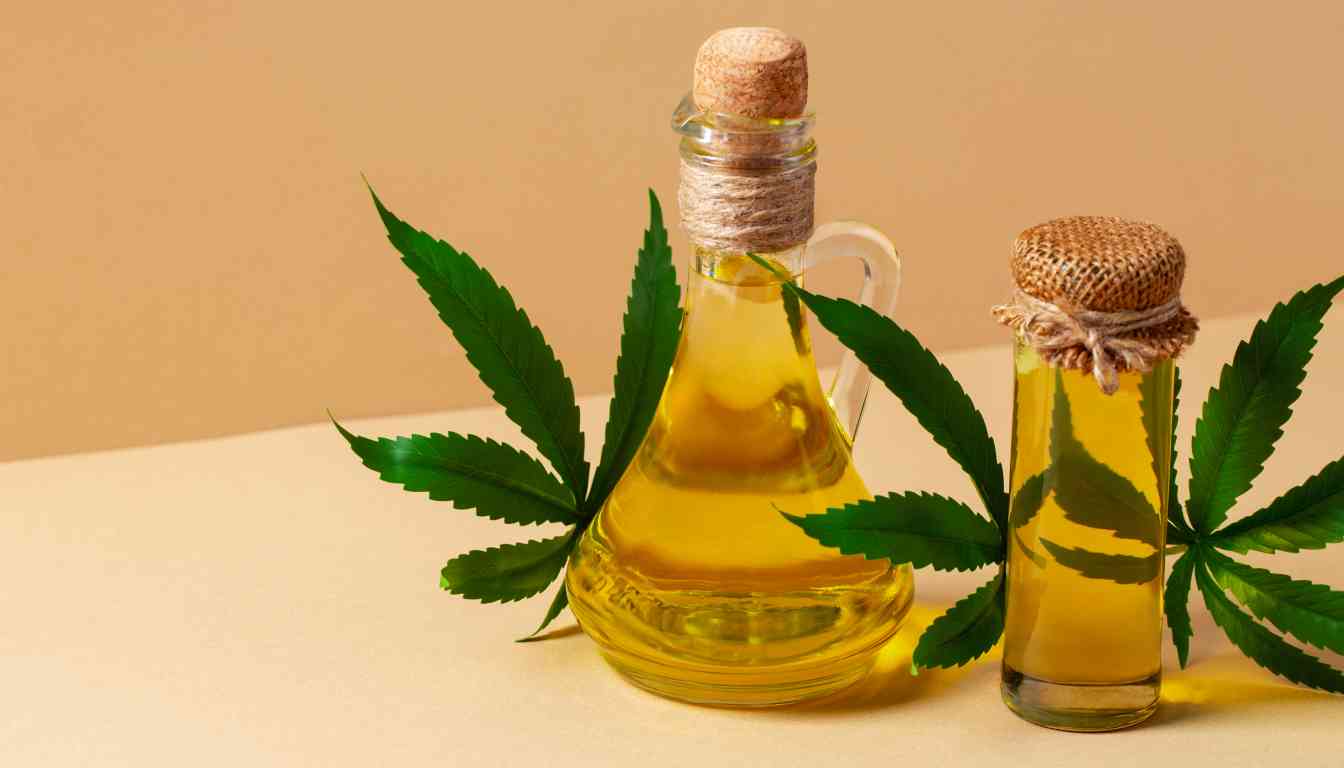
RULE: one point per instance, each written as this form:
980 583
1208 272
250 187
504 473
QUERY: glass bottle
1090 470
1083 631
689 580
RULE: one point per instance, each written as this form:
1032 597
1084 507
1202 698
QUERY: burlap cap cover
1106 273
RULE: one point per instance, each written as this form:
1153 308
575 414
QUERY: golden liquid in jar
1084 604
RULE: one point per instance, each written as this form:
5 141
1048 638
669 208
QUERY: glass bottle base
750 678
1084 707
735 646
746 689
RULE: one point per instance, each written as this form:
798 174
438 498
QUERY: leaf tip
350 437
388 218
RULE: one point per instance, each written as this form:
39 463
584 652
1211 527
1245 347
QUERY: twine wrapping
1104 342
747 210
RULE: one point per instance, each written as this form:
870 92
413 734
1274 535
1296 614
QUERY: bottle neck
747 185
732 142
726 265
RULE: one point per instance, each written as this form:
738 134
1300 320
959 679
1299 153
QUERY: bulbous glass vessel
689 579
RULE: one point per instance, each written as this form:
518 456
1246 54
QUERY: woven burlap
1099 286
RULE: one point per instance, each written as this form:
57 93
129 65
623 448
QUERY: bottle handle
881 281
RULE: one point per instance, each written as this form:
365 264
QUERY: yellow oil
689 579
1082 643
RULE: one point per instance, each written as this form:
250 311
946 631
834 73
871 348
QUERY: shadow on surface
1225 684
1222 685
554 634
890 683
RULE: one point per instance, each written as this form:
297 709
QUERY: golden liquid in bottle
1082 642
689 579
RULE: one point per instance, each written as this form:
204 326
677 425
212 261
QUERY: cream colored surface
265 601
188 249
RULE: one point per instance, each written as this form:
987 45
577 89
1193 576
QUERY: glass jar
1090 479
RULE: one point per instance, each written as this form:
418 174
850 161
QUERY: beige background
188 250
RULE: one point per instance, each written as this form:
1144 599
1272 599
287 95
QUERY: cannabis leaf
1309 516
1027 501
1240 422
1178 530
1157 419
922 529
648 344
509 572
1263 646
1122 569
1176 603
513 359
499 482
1242 418
507 350
1313 613
965 632
1089 492
1093 495
922 383
1244 415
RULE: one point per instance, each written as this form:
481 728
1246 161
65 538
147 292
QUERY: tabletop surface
263 600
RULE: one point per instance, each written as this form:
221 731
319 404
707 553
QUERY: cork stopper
1099 263
755 72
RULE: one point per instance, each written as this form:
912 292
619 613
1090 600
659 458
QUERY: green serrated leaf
1035 557
558 604
1027 500
1178 535
924 386
967 631
1156 389
1244 415
507 350
793 311
1263 646
509 572
1313 613
1309 516
1026 503
1175 512
1121 569
648 345
1176 603
922 529
499 482
1089 492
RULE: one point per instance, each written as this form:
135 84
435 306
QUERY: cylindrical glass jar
1099 320
1090 480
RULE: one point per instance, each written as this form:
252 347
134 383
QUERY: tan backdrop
188 249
